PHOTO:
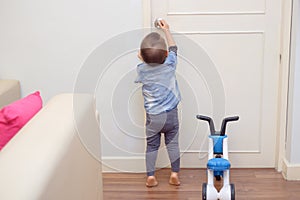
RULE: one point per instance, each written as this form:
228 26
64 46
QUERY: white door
241 39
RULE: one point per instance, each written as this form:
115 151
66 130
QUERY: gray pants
168 124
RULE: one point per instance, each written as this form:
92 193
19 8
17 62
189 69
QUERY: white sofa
55 155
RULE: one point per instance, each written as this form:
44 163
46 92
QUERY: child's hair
153 49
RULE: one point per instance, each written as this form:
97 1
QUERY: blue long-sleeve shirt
160 88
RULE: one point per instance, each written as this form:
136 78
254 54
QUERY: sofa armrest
47 160
9 92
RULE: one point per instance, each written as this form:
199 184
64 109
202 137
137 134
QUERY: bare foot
151 181
174 180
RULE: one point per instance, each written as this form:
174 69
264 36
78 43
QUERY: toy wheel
204 189
232 189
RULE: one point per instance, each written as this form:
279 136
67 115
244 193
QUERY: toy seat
218 164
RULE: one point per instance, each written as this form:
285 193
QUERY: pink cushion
14 116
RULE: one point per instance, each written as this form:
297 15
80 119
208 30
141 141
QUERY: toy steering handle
224 123
210 122
212 126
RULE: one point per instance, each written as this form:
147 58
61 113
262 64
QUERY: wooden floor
249 184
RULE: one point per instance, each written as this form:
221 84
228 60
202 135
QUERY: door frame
291 167
284 59
285 56
147 16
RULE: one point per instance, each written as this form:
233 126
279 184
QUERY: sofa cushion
15 115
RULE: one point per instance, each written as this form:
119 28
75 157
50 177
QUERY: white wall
44 43
294 111
291 162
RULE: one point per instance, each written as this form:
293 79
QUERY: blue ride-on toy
218 164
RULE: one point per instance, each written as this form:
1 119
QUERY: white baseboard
130 164
123 164
290 171
136 164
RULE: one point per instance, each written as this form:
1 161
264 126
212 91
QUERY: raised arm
166 29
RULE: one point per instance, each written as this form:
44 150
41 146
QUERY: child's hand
163 24
165 27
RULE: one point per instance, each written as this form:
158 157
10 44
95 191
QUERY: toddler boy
161 97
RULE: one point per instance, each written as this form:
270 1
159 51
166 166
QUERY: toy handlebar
224 123
212 126
210 122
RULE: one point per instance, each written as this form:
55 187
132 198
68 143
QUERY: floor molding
123 164
290 171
